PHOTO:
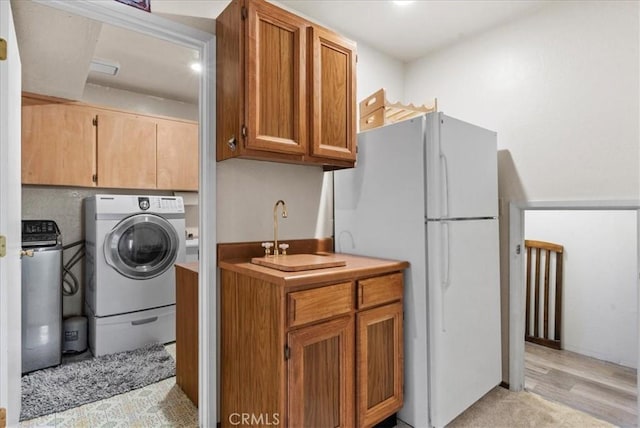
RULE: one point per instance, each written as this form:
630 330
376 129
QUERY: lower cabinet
380 363
187 329
321 375
305 356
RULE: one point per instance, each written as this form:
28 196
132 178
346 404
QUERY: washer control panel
39 233
144 203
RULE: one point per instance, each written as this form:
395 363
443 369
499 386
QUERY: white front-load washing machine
132 244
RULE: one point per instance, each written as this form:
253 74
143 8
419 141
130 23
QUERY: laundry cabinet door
126 151
177 155
58 144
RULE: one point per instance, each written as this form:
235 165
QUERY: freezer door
462 169
379 203
464 316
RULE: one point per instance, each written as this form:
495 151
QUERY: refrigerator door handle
445 184
446 256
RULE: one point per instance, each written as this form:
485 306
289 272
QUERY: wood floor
605 390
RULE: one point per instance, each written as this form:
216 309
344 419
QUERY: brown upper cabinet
285 88
73 144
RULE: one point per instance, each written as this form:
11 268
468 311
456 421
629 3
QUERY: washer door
142 246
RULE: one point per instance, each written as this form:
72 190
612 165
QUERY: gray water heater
41 295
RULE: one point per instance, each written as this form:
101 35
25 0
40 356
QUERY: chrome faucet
276 251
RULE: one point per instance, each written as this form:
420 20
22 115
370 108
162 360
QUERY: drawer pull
144 321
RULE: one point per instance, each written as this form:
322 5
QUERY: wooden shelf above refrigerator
376 111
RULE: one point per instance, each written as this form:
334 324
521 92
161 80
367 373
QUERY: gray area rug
76 383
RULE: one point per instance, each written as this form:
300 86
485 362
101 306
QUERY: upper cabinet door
58 145
177 155
126 151
276 95
333 98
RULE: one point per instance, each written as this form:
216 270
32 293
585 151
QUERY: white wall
600 293
560 87
377 70
248 190
139 103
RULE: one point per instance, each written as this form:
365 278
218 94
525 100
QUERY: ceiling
412 29
56 48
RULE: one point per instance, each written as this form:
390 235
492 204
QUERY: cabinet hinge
94 178
287 352
244 131
3 49
3 245
244 13
95 121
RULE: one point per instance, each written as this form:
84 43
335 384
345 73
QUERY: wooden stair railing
534 291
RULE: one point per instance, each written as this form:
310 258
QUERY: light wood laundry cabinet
74 144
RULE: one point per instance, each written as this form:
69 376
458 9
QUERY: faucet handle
267 247
283 247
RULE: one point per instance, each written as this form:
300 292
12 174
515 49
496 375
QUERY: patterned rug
76 383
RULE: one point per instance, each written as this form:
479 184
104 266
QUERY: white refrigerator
425 190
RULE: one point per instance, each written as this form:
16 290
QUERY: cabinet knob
232 143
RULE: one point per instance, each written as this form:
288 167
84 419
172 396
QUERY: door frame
10 215
517 274
121 15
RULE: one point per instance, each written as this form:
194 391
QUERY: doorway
123 16
596 370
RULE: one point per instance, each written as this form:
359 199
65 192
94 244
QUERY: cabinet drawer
319 303
378 290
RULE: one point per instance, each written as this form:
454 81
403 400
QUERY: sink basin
299 262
